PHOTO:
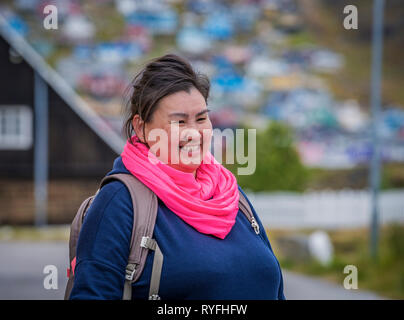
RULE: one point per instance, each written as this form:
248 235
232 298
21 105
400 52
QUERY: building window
15 127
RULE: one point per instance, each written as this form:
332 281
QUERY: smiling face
183 119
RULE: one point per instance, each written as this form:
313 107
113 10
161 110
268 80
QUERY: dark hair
160 77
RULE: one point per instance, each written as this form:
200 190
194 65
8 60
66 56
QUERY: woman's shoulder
111 201
114 186
115 190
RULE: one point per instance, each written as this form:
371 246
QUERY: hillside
324 25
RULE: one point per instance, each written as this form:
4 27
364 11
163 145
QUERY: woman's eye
201 119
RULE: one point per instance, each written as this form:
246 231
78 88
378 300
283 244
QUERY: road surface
22 275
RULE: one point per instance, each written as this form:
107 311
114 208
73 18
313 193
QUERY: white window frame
16 123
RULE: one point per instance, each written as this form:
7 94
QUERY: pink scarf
187 196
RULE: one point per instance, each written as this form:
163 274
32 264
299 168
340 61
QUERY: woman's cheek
162 145
207 134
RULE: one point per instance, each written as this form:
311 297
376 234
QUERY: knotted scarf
208 201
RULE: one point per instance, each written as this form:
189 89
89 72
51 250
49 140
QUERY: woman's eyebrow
185 115
202 112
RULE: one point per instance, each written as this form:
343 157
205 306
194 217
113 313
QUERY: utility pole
40 150
375 96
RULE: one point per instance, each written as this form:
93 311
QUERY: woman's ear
138 126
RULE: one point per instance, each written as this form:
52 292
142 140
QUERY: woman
210 250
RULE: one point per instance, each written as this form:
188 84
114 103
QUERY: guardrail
326 209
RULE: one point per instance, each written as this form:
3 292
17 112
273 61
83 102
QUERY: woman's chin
186 167
186 162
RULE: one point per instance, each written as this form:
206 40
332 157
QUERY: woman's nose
190 134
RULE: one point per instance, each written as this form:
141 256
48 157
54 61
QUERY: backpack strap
246 209
74 236
145 207
76 226
157 266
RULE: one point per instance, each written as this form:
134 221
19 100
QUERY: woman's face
180 131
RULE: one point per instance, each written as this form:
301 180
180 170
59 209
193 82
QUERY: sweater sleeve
103 245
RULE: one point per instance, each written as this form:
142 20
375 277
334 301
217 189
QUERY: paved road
22 276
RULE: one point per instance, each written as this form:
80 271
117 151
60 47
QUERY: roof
61 87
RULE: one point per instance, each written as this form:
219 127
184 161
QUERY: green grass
30 233
384 276
356 178
299 39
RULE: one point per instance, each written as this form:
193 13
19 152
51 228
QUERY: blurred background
287 68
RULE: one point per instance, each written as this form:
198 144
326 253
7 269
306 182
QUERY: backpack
145 206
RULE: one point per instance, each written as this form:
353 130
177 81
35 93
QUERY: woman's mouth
191 149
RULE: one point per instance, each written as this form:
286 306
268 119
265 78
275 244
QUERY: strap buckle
148 243
130 271
255 225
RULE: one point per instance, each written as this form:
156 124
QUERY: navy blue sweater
196 266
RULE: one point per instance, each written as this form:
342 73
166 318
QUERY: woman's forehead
182 102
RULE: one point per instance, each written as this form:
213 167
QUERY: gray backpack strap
246 209
157 266
74 237
145 207
150 244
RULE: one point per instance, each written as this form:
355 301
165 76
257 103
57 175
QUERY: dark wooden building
80 146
